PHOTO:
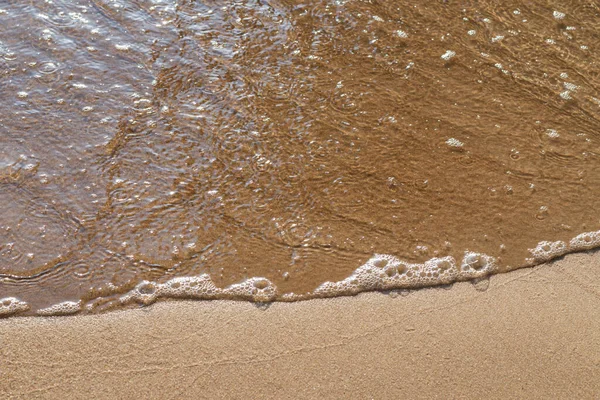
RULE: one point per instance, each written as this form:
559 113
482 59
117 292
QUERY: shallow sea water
283 150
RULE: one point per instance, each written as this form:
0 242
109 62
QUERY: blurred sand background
532 333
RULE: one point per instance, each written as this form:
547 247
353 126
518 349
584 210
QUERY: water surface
278 145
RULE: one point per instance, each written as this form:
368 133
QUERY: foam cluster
64 308
255 289
476 265
200 287
585 241
11 306
384 272
380 272
546 251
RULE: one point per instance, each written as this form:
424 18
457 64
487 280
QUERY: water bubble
448 55
542 213
261 284
344 100
402 269
147 288
231 141
48 68
294 233
552 133
452 142
475 261
261 163
81 271
48 35
60 19
392 183
142 104
566 95
444 265
381 263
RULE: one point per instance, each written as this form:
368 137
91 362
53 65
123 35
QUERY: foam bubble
200 287
552 133
477 265
452 142
255 289
64 308
122 47
11 306
585 241
566 95
545 251
146 292
385 272
448 55
380 272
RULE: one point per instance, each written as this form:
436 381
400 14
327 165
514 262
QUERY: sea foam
380 272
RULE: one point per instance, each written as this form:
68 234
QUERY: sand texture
533 333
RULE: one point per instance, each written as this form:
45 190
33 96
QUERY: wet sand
532 333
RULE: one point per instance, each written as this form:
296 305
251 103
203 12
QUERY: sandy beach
532 333
281 150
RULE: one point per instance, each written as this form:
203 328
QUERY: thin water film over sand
280 150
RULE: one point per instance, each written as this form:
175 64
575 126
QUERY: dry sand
533 333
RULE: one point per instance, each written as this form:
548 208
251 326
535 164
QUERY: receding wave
380 272
279 150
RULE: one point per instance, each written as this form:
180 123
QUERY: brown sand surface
533 333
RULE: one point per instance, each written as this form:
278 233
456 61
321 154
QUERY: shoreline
533 332
381 273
